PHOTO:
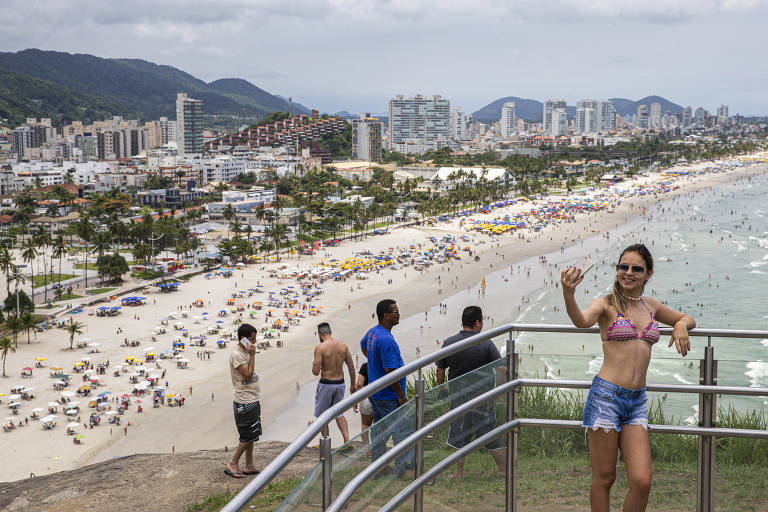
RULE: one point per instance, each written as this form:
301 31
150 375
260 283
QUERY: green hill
22 96
129 87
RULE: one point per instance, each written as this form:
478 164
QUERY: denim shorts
610 406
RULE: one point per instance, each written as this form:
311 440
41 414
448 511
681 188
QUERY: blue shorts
610 407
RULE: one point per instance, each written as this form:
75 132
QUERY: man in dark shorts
246 401
465 386
330 357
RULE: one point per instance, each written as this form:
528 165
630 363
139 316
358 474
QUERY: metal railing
706 431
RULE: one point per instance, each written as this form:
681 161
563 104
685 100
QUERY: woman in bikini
615 413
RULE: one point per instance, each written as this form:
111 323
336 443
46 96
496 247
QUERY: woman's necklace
632 298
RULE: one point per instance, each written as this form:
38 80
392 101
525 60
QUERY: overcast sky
355 55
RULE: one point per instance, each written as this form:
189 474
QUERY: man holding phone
246 401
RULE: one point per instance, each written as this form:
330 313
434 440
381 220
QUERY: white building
366 138
549 107
559 123
508 123
655 116
222 168
419 122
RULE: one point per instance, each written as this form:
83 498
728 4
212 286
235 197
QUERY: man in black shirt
469 378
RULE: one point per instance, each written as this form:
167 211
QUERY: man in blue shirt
383 355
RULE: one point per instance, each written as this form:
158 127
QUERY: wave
681 379
757 272
693 419
595 365
764 341
757 373
754 264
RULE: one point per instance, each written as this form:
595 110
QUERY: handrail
481 441
284 457
456 412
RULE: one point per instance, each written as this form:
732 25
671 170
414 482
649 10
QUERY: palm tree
42 239
84 230
28 254
73 328
59 250
15 324
28 322
6 265
6 347
229 214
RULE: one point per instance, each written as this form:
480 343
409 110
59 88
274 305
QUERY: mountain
246 93
626 107
532 110
134 87
528 109
23 96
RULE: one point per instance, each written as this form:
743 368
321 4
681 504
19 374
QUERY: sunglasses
636 269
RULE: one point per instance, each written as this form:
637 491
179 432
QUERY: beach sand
510 264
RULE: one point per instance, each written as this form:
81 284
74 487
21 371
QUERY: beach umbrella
48 418
71 405
110 413
79 436
53 404
13 404
41 359
14 396
94 344
104 393
71 412
37 409
58 382
57 368
74 424
102 404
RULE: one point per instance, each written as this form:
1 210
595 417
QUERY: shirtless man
330 356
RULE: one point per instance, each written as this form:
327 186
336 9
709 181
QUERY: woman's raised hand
570 279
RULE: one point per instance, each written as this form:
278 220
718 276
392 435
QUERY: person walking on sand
383 354
246 404
330 357
615 413
479 421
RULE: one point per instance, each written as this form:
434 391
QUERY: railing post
418 497
326 460
511 480
706 444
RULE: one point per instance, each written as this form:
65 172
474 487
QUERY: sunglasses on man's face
636 269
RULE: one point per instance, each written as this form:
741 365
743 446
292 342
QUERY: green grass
97 291
40 279
266 501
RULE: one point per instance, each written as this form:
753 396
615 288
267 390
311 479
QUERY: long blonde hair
616 298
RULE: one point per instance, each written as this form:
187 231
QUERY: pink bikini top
622 329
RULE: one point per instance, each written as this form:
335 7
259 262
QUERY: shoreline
206 419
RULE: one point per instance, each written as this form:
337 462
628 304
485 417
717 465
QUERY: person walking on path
467 381
246 406
383 355
615 413
330 357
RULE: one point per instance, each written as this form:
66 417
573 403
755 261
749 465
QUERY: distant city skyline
355 56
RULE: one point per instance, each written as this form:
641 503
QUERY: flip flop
251 472
233 474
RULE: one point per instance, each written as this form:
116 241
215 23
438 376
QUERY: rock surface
142 482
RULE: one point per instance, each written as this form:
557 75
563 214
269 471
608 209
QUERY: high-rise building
642 117
700 117
366 138
655 116
606 116
559 122
549 106
189 124
586 116
420 121
508 119
722 115
687 117
168 130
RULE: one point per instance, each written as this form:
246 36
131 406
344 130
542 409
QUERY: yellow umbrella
41 359
56 368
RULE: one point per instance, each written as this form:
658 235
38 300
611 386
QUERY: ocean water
711 260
